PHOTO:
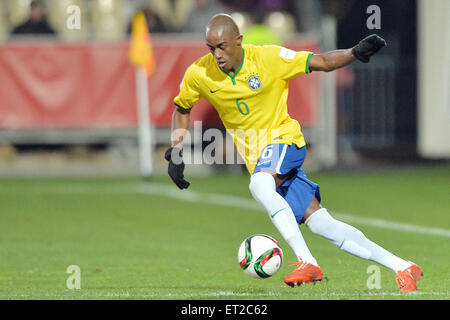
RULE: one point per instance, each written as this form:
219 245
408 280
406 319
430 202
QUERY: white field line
168 191
246 203
81 294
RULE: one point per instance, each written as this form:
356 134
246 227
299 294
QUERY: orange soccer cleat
304 272
407 279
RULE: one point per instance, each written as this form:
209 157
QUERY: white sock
263 188
352 240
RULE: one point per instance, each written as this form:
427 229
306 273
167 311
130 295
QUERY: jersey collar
233 77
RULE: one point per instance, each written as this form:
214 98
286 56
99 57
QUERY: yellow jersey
252 103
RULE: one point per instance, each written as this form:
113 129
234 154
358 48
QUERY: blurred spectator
201 14
154 22
36 23
296 9
308 14
263 5
260 34
273 5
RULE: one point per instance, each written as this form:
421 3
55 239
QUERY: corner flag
141 51
141 55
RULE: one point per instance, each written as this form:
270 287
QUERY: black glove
176 167
367 47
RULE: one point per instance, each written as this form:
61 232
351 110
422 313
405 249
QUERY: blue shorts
286 160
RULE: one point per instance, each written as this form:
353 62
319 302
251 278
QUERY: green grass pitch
132 240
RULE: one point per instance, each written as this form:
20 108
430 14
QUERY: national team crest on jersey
254 82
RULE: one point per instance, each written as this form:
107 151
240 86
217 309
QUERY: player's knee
323 224
318 221
346 237
260 183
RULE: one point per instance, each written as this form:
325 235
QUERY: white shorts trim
280 161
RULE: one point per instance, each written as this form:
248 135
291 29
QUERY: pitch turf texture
132 240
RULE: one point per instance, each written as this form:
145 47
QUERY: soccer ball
260 256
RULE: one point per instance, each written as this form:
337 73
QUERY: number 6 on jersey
239 106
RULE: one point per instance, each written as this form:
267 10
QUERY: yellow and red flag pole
141 55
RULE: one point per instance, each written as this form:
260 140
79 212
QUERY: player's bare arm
333 60
180 123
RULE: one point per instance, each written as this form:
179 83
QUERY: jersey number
242 107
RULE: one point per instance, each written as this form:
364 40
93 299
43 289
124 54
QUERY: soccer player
248 86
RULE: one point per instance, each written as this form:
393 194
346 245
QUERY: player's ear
239 40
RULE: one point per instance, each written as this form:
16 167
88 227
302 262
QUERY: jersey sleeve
286 63
189 91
